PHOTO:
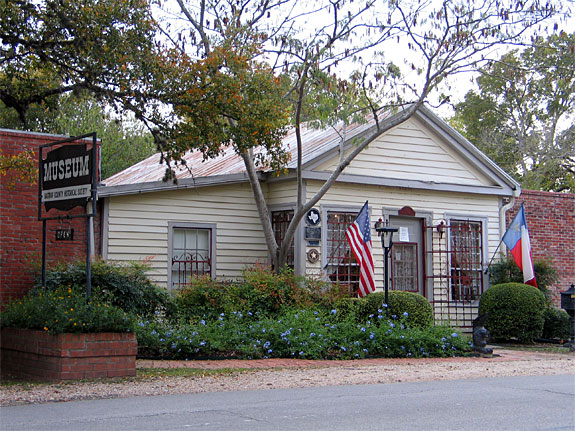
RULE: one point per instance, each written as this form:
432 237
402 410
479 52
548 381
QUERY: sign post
67 179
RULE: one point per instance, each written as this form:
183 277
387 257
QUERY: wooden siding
138 227
410 152
439 204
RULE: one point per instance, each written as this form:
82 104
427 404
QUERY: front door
407 255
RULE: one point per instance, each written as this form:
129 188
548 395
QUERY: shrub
259 291
123 285
65 309
507 271
556 324
515 312
295 334
415 309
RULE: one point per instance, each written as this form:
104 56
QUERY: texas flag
517 241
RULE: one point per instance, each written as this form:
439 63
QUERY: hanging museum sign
66 177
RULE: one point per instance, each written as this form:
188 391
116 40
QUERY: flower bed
39 355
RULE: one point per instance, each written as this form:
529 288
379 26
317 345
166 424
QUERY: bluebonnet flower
266 344
454 335
153 332
312 334
333 311
384 305
365 350
405 313
356 355
392 325
270 350
161 339
250 313
316 312
263 330
371 335
202 343
300 353
141 323
362 329
343 348
203 322
394 316
402 336
402 347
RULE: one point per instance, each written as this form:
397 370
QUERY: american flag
359 237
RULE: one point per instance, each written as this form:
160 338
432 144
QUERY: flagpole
498 245
493 257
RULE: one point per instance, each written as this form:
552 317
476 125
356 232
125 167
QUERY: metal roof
315 143
147 175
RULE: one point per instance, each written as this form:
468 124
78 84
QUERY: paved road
508 403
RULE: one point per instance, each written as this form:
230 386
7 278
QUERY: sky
459 84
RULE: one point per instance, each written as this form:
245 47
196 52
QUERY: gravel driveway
274 374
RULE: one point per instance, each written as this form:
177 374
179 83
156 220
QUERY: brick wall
38 355
551 223
20 229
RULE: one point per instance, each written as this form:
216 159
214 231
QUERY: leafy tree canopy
522 114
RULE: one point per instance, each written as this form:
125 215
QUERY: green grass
142 375
146 373
545 348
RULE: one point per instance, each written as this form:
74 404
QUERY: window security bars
456 253
191 255
341 264
280 223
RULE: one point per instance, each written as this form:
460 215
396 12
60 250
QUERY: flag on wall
517 241
358 235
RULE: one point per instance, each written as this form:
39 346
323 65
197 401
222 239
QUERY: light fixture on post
386 233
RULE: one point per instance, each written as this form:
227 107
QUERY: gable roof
319 146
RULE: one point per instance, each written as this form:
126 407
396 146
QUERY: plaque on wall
312 217
312 256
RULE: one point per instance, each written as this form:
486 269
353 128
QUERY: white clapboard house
447 199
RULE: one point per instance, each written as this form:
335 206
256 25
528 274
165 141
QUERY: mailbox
568 300
568 304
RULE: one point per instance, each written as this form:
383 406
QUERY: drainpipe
502 212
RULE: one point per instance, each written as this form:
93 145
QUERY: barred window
280 223
466 261
191 254
341 265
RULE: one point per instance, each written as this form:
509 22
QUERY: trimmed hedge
556 324
515 312
419 310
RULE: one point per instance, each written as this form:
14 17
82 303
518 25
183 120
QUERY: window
191 252
280 223
405 267
341 265
466 261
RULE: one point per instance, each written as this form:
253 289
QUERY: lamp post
386 233
568 304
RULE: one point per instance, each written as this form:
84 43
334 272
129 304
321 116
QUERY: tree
124 140
240 73
520 113
54 47
296 50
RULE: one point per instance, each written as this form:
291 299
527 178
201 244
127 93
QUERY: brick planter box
38 355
